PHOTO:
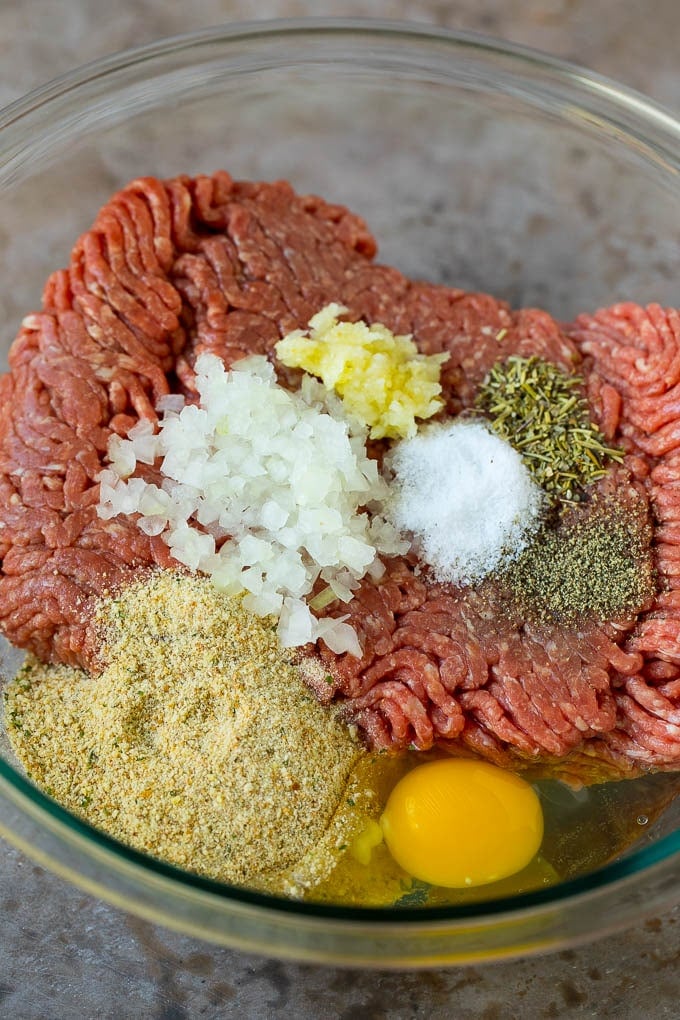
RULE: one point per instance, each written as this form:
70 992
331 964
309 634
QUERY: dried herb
541 411
416 896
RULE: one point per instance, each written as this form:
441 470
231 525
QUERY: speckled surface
64 954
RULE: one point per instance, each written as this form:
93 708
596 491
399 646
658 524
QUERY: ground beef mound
174 268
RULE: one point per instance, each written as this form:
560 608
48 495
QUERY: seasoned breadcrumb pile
198 742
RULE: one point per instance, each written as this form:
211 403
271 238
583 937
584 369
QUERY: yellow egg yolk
459 823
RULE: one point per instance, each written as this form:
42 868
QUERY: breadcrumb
198 742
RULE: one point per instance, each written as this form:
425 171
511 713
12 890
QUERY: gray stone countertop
66 955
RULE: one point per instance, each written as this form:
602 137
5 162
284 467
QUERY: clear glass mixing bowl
475 163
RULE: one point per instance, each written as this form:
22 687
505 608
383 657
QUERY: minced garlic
382 379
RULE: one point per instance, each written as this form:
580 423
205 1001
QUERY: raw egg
459 823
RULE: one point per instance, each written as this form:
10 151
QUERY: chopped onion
263 490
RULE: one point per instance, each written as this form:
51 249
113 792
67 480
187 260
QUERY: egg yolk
459 823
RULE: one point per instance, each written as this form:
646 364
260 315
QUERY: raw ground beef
174 268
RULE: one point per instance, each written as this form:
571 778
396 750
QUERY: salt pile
466 497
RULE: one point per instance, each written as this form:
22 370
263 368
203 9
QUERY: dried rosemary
542 412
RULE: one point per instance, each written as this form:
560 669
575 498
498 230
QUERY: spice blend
595 563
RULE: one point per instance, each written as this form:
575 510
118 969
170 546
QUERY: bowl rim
661 129
628 99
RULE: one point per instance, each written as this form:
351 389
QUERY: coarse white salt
263 490
466 497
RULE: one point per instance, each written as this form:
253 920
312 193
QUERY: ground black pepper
592 563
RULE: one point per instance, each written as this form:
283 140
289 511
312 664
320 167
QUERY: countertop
65 954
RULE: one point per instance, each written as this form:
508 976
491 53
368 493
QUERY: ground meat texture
634 360
168 270
174 268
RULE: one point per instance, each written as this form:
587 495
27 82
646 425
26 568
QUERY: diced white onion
263 490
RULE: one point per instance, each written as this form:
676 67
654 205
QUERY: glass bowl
476 163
